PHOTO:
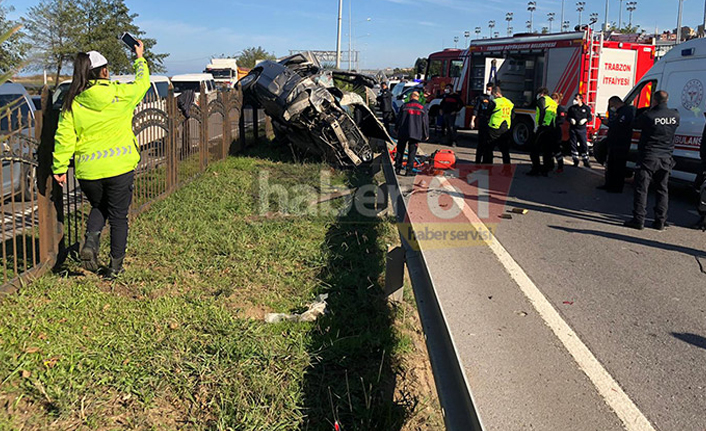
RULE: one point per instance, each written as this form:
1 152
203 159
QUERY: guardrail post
241 127
203 147
226 123
171 140
255 124
394 274
236 143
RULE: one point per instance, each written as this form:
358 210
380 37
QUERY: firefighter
579 116
499 127
618 142
412 127
559 132
544 135
385 103
451 103
654 157
95 129
481 115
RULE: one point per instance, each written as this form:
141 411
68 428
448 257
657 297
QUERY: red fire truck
568 63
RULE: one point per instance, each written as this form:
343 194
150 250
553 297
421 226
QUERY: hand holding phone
134 44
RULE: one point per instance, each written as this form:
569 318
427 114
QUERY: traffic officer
95 128
579 116
499 127
412 127
618 141
654 157
450 104
482 109
559 132
385 103
544 135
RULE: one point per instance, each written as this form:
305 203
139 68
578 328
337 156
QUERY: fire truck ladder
595 46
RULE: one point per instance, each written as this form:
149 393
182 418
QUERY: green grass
179 341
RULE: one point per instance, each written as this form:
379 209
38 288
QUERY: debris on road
506 216
519 211
316 309
568 302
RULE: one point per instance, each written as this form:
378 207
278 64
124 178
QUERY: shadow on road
693 339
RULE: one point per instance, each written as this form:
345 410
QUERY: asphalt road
569 321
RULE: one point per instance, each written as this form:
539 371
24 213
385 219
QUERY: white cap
97 59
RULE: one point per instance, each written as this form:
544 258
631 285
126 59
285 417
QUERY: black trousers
482 140
616 168
387 120
579 143
543 145
402 144
651 170
500 138
450 126
110 200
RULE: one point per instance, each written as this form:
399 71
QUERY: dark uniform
561 113
482 109
412 127
655 161
451 103
385 103
544 136
578 117
618 142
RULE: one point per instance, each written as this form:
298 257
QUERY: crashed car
308 111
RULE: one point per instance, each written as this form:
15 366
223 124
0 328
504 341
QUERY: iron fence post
49 197
203 145
171 140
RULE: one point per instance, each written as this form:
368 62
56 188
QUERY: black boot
89 251
115 268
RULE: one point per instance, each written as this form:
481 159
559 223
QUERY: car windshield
399 88
222 73
180 87
6 99
162 89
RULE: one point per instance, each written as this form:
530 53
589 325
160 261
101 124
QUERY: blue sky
398 32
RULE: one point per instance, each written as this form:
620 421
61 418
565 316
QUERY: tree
250 56
52 27
103 22
12 47
58 29
420 66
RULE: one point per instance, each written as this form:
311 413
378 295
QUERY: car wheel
522 132
29 179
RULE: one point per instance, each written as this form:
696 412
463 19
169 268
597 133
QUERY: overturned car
308 111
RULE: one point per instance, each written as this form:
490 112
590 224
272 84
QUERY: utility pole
681 6
562 13
606 22
338 40
350 35
620 16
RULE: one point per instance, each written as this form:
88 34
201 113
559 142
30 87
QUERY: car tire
522 132
29 178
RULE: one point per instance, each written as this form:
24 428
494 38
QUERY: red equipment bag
443 159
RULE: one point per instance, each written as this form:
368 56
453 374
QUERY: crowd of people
493 115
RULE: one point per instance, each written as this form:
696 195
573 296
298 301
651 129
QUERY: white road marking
614 396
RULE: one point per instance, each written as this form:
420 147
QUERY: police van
681 74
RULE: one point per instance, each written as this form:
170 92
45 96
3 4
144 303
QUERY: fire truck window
456 66
641 96
434 68
445 69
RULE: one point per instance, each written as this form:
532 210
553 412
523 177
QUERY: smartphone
129 41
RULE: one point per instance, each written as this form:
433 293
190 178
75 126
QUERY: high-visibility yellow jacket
546 112
98 129
502 113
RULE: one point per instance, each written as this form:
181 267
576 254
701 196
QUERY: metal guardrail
43 223
454 393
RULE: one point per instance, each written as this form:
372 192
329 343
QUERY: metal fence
43 223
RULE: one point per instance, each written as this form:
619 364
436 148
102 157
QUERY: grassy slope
179 341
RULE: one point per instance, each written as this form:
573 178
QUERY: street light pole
531 7
605 23
350 35
550 18
562 12
681 6
338 39
508 18
620 16
579 8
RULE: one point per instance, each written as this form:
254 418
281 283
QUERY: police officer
499 127
412 127
579 116
450 104
481 115
654 157
544 135
618 142
95 128
385 103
